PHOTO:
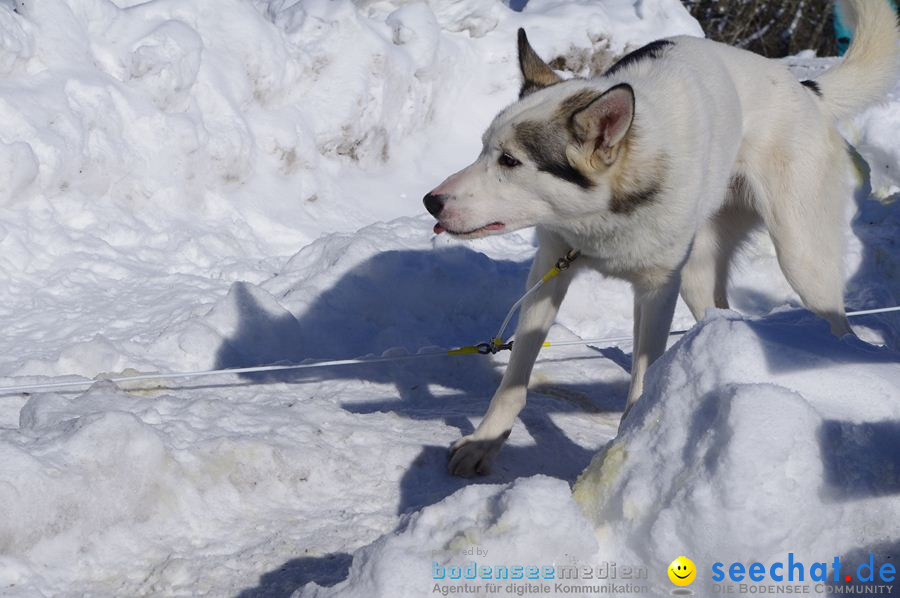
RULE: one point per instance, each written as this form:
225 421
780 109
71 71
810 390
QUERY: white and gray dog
657 171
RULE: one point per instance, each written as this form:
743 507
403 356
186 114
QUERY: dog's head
547 159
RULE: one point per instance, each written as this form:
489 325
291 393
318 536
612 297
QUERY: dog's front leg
474 453
654 306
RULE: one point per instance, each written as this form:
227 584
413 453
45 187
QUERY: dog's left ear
535 72
603 124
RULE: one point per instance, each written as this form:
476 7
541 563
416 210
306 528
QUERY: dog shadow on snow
410 299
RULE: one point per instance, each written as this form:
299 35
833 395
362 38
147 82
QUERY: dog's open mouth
439 228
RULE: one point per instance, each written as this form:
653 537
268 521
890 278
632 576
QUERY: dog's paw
471 456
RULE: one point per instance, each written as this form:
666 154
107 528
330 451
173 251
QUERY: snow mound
508 522
874 134
276 110
712 463
718 464
88 474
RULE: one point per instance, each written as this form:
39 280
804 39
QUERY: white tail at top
870 68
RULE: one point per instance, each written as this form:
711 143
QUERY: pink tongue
494 226
438 229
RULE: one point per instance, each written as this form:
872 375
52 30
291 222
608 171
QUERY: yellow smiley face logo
682 571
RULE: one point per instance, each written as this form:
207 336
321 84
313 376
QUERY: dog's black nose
434 203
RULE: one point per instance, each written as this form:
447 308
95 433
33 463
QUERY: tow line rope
495 345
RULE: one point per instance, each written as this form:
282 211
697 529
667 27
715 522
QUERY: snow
742 415
740 449
877 143
508 522
216 183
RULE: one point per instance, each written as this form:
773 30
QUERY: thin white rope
877 310
5 390
561 266
202 373
515 306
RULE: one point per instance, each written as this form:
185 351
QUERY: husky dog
657 171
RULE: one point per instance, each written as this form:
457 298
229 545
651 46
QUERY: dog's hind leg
474 453
704 278
804 215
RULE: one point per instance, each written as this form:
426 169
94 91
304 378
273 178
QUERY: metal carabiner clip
564 262
496 345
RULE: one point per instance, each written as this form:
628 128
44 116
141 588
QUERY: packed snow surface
740 450
191 184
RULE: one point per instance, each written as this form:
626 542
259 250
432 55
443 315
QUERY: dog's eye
508 161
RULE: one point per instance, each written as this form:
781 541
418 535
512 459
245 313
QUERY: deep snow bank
256 108
755 438
185 145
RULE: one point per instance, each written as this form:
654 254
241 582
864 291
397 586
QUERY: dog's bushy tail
870 68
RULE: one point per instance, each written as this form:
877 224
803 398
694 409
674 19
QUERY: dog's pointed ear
603 124
535 72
